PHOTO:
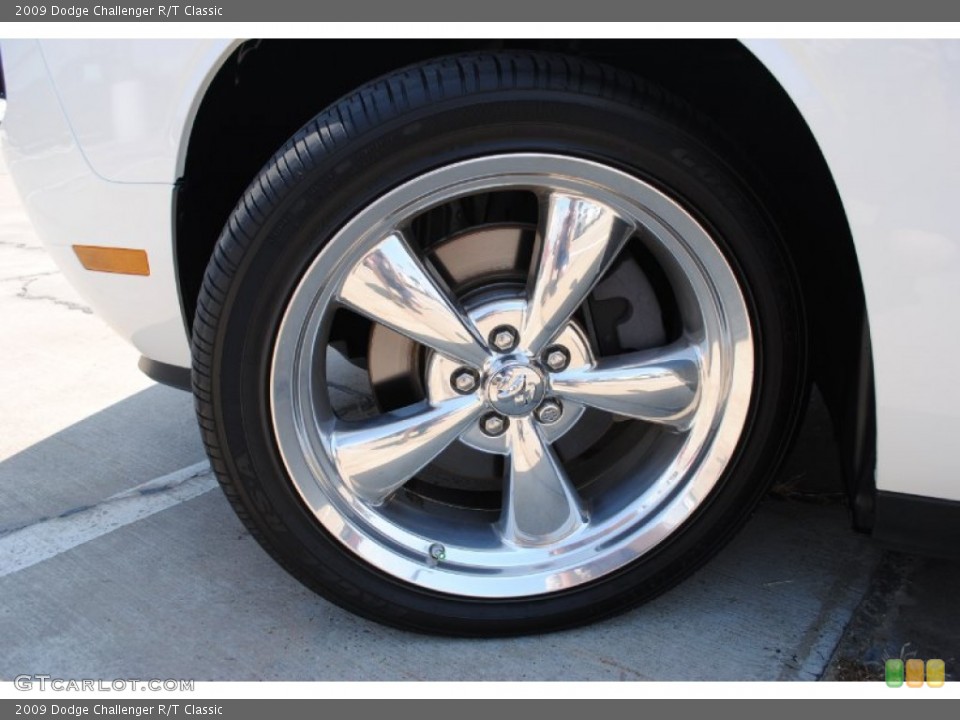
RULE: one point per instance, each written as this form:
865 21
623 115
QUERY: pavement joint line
47 538
28 276
25 294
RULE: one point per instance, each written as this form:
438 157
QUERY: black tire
397 128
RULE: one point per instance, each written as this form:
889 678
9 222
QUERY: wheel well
266 90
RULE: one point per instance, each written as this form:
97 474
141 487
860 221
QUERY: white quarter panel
131 103
69 204
887 117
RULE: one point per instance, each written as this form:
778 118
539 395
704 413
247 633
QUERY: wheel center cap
515 389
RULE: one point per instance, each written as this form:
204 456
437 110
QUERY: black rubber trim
910 523
859 439
172 375
177 209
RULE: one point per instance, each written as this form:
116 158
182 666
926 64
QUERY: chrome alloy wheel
510 373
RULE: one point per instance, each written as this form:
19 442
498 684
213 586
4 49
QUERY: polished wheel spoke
540 504
660 386
378 456
391 286
580 238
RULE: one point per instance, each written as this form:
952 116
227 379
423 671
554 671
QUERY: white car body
96 136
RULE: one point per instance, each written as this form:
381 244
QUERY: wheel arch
255 101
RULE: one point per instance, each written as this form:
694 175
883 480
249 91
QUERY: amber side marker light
126 261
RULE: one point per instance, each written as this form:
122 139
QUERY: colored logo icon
893 672
936 673
913 672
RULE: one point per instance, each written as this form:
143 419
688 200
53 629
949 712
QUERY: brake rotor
489 259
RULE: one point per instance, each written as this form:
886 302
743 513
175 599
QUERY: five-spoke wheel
509 368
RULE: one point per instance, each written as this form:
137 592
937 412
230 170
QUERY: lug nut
438 552
503 338
464 381
493 424
549 412
556 358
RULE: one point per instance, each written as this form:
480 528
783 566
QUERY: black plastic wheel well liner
266 90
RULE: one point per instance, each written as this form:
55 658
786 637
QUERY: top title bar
489 10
